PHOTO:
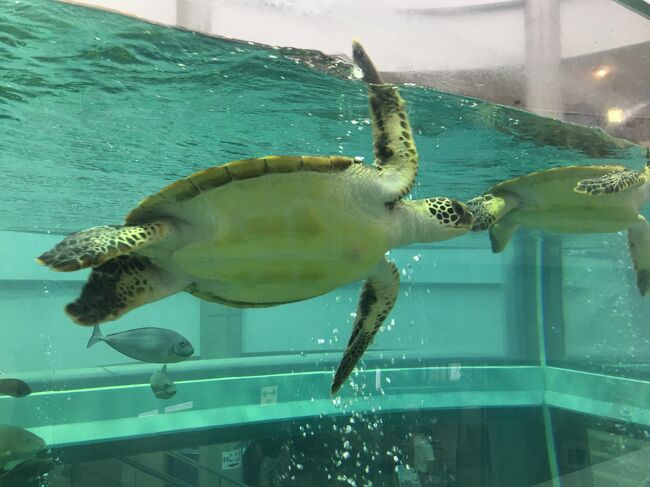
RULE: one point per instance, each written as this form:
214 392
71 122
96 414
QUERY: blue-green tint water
98 111
502 370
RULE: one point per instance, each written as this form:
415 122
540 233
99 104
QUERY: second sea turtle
571 199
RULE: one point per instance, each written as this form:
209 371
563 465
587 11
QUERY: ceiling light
601 72
615 115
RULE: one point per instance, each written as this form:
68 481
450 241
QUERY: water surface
98 111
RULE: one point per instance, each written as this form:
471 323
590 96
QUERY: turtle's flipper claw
361 59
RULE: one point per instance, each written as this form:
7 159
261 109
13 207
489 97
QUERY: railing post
543 58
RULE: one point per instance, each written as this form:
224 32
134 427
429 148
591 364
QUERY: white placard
230 459
268 395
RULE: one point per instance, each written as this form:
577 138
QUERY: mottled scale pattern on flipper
217 176
394 148
118 286
93 247
393 140
611 183
377 300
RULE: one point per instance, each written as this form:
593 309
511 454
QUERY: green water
97 111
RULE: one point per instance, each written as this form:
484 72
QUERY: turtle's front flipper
361 59
395 152
96 245
638 237
614 182
377 299
501 232
120 285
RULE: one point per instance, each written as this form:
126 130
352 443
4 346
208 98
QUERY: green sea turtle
272 230
572 199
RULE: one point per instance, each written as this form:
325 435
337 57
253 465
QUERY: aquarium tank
515 355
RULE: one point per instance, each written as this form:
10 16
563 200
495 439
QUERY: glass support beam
543 58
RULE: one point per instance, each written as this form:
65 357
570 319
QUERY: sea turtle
272 230
571 199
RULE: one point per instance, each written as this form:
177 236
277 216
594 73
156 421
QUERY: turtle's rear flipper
638 236
377 299
120 285
96 245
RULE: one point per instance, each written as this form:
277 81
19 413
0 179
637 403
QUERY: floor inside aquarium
462 447
465 447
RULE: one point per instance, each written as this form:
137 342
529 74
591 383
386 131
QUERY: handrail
173 481
196 464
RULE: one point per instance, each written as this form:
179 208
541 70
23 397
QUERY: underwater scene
206 281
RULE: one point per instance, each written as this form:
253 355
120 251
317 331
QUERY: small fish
153 345
14 387
17 443
161 384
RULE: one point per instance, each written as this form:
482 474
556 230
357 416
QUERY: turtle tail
97 245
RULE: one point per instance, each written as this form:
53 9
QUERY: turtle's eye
459 212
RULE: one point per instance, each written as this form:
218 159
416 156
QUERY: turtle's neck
412 223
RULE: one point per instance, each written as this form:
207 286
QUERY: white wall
449 39
160 11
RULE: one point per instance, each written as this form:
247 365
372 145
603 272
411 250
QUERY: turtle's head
487 210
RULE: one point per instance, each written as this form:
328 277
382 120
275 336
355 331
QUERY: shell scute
317 164
211 178
284 164
217 176
246 169
341 163
181 190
